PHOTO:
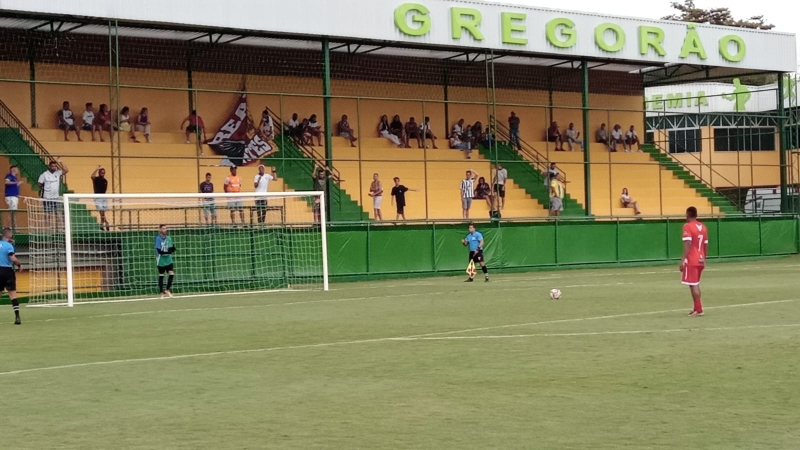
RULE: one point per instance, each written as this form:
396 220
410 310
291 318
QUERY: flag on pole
238 140
471 269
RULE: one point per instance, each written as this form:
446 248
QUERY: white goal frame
68 198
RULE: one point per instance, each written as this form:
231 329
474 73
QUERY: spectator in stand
428 132
141 124
261 185
88 119
13 183
413 131
458 130
632 138
467 192
573 137
233 184
513 131
484 192
616 138
601 137
267 126
457 144
314 131
66 122
319 183
477 134
103 122
195 126
50 189
376 192
554 135
396 128
628 202
556 197
399 194
384 131
305 133
343 130
293 129
124 120
500 177
100 185
550 174
209 207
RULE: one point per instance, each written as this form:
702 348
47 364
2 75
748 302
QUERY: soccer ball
555 294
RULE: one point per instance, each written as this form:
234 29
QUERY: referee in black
8 279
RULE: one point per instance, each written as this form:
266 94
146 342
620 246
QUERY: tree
688 12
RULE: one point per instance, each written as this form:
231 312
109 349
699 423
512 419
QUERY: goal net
92 248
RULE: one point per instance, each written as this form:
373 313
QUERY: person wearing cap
261 184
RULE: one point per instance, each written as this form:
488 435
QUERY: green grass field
423 363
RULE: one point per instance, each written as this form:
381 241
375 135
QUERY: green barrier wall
374 251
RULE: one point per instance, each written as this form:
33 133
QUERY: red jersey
697 235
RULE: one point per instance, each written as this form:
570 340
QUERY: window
684 141
749 139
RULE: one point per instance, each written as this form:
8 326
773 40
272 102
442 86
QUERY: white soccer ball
555 294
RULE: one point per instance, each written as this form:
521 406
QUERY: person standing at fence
500 177
233 185
399 194
209 207
467 192
50 189
8 279
261 184
513 131
12 192
376 192
100 185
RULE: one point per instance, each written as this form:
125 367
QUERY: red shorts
691 275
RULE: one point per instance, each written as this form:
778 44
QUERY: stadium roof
662 51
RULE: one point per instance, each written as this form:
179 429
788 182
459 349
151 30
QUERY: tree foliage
688 12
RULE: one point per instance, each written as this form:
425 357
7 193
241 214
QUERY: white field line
431 336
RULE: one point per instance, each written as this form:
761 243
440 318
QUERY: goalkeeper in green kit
164 250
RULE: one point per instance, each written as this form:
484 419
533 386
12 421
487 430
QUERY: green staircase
20 153
725 206
528 178
297 168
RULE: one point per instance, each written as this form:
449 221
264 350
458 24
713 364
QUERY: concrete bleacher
436 173
657 190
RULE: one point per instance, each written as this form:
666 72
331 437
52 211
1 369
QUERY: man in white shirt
88 119
572 137
261 185
500 177
66 122
467 192
616 138
50 188
632 138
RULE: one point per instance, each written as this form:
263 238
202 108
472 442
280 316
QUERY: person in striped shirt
467 192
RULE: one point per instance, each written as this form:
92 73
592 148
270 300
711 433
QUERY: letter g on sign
419 18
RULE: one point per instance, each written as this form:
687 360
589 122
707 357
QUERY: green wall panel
779 236
739 237
526 245
643 241
450 254
587 242
401 249
347 251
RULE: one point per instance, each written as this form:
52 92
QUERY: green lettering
511 24
561 33
658 101
701 100
419 17
600 37
651 37
674 100
724 48
466 19
692 43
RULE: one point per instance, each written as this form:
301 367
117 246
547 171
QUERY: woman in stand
628 202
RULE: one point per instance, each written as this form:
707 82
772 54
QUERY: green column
587 144
782 144
326 101
32 71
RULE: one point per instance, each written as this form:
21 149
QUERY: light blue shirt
474 241
6 250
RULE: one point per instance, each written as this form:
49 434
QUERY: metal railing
309 151
527 151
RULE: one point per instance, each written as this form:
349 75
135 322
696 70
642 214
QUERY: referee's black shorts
476 256
8 279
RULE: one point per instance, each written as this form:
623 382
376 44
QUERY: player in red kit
695 249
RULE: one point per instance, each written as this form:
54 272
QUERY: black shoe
469 280
17 321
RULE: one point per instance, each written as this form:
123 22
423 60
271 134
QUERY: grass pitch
428 364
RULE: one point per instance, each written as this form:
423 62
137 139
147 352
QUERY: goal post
102 247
